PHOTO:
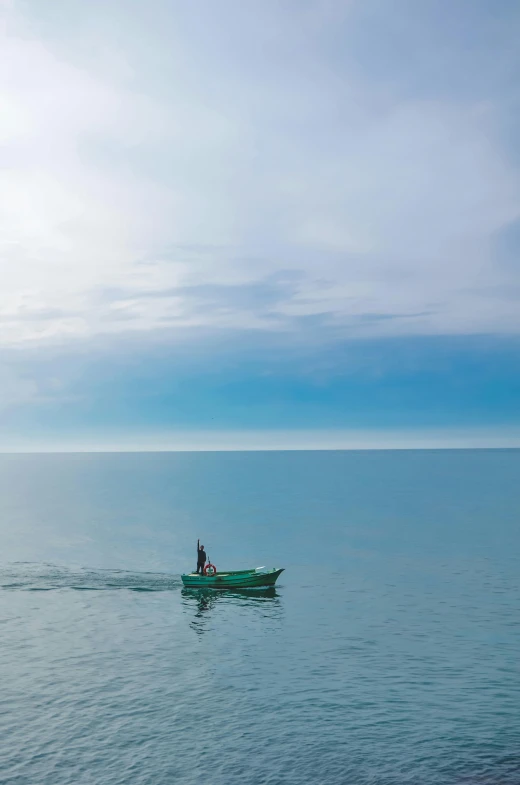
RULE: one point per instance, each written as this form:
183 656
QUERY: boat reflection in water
265 602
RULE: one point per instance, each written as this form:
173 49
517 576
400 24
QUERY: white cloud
226 148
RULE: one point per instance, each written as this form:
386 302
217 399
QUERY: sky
243 224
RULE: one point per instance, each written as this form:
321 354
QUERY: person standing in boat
201 558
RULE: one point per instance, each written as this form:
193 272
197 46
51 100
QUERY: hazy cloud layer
333 169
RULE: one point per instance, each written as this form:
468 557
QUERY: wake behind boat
237 579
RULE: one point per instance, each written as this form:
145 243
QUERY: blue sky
243 223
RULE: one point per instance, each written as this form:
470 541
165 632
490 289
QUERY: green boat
239 579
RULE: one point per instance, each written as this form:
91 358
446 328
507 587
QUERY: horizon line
195 450
268 441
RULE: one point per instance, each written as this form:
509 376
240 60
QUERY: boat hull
242 579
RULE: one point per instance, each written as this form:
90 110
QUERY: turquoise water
387 654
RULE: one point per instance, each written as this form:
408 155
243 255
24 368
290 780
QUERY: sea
387 654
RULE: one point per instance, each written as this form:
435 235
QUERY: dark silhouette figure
201 558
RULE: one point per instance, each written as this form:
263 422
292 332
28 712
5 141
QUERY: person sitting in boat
201 558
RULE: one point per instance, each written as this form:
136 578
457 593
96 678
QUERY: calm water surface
388 653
